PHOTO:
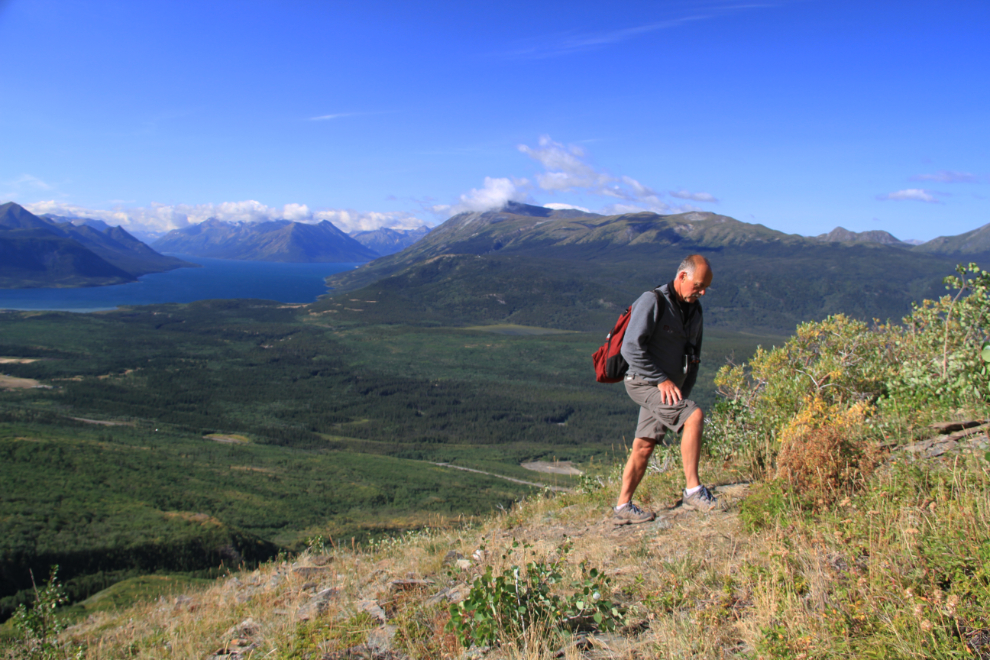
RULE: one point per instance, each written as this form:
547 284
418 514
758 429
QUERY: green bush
40 626
943 352
938 359
504 607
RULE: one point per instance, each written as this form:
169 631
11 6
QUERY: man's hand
669 393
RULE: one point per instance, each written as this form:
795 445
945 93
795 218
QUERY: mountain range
387 241
38 251
277 240
530 265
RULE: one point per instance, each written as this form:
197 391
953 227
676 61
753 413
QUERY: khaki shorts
655 417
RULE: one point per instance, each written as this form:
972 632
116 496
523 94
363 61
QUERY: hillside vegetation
854 462
533 266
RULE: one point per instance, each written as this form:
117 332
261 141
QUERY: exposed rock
406 585
317 605
246 628
235 649
363 652
307 572
931 448
373 608
245 594
635 627
453 595
381 638
949 427
452 558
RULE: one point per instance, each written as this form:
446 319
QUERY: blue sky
800 115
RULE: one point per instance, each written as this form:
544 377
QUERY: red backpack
610 366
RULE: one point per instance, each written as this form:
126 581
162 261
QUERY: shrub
942 354
824 452
838 363
507 606
40 626
780 405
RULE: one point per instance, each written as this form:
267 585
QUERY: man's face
692 287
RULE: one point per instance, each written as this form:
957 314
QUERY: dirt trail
13 383
101 422
499 476
552 467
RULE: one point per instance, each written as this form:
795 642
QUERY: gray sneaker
631 515
702 500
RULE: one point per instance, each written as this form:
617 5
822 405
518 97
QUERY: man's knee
696 418
643 447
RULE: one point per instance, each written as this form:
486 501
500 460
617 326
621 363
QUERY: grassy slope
897 570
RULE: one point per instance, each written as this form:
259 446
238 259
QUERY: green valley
180 438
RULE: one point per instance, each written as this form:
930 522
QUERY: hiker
662 345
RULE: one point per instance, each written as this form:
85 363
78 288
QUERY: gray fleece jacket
656 339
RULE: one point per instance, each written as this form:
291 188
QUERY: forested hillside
530 265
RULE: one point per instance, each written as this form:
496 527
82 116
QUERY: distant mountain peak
388 240
519 208
843 235
272 240
972 242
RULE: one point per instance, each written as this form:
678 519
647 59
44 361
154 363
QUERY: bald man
662 345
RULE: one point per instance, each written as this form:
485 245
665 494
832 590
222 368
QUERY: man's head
694 276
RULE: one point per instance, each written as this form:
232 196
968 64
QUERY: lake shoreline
210 279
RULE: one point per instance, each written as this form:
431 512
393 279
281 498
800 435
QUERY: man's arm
642 322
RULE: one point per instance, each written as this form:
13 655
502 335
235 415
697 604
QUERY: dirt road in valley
499 476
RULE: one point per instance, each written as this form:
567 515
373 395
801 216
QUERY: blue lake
218 278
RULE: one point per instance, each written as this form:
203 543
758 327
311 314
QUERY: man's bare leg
635 468
690 448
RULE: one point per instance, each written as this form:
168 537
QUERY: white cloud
913 194
29 181
694 197
555 45
335 116
492 195
162 218
568 170
566 167
947 176
565 207
661 208
349 221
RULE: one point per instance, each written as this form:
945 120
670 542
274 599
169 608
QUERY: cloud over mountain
162 218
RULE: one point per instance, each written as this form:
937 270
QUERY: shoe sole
695 507
620 522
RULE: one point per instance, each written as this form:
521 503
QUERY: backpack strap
661 306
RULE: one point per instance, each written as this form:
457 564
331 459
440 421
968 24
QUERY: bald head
693 278
691 263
